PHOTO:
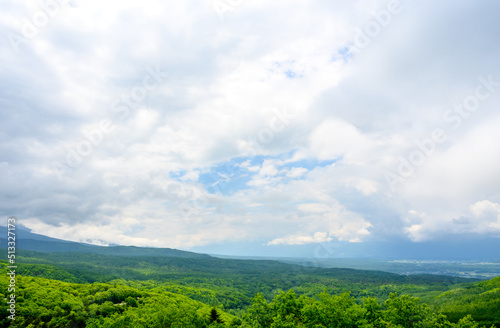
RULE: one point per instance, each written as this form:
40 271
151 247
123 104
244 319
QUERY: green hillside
480 300
52 303
83 289
61 246
234 281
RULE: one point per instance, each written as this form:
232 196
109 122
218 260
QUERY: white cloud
334 138
487 215
282 94
486 208
365 186
318 237
296 172
341 223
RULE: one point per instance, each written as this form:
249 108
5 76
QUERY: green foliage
480 300
288 310
51 303
229 284
104 291
215 316
467 322
259 314
405 311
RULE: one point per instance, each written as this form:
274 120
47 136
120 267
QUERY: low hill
481 300
26 240
231 283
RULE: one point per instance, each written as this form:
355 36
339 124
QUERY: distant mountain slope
232 283
23 233
261 271
34 242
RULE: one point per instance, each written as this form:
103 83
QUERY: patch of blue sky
286 69
344 53
310 163
292 75
232 176
177 175
225 179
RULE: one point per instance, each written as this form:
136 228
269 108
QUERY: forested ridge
95 290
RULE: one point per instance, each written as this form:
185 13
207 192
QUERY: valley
102 286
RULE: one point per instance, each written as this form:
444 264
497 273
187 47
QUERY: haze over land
257 128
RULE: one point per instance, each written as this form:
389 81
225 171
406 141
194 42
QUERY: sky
270 125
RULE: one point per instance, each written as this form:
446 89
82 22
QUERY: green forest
96 290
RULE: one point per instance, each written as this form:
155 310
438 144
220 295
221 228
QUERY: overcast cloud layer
289 122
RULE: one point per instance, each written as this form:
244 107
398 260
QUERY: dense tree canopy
71 290
50 303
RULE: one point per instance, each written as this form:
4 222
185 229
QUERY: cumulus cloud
333 139
164 125
486 216
318 237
